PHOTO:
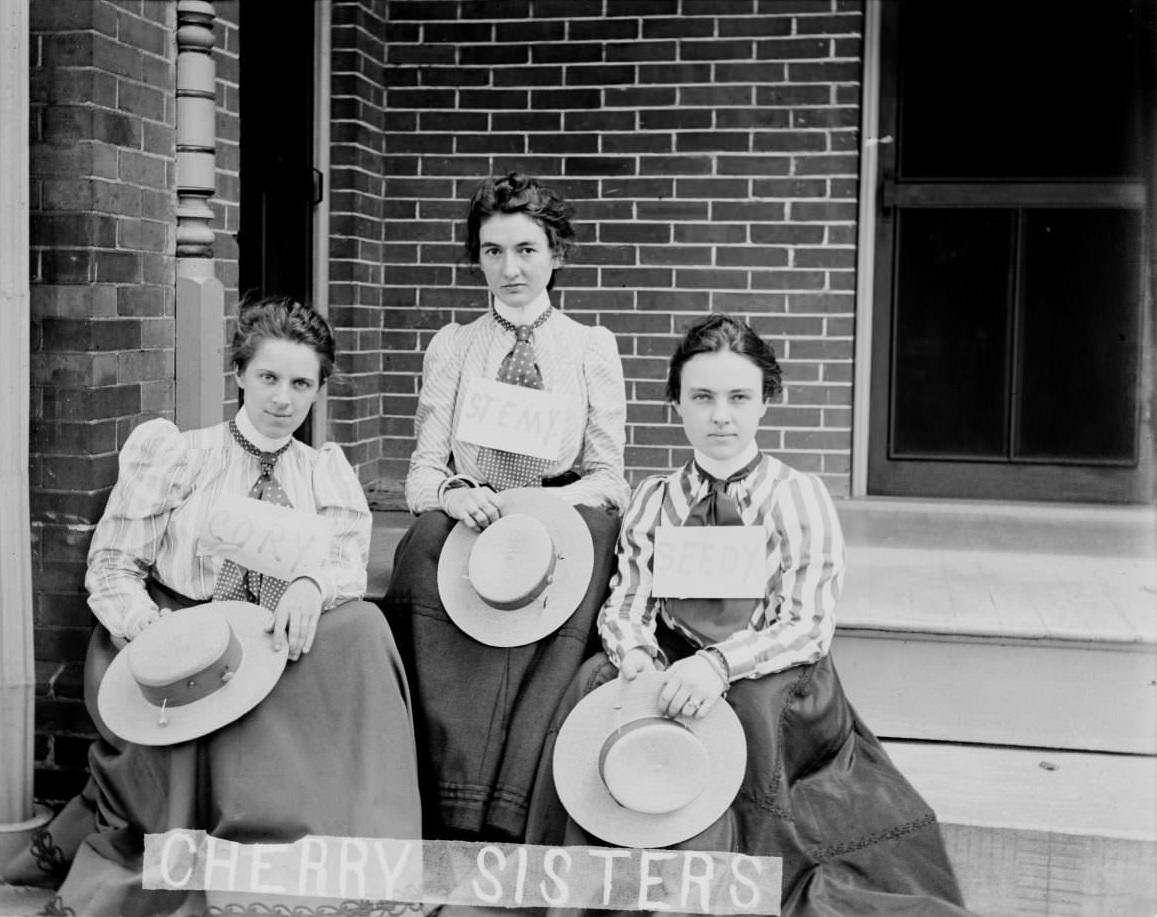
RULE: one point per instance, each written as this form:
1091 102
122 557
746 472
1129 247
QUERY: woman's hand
296 617
634 662
476 506
691 688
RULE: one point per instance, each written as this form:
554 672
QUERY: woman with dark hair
481 710
818 790
330 750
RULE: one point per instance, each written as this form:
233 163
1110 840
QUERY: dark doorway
1007 340
278 190
279 185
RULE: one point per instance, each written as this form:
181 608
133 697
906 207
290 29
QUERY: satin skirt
481 713
820 792
329 752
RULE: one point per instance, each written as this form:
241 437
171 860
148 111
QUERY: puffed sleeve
627 618
153 478
604 437
433 422
340 499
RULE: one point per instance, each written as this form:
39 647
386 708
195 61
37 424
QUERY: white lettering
228 863
494 896
391 875
558 899
751 905
607 855
258 865
311 866
646 880
349 864
165 850
703 880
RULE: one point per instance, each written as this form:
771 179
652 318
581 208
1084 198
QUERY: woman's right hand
478 507
634 662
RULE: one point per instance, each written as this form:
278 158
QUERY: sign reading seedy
473 874
712 562
512 418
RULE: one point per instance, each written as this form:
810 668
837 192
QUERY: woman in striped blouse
819 790
330 750
481 711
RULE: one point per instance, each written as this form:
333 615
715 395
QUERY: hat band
621 731
200 684
527 597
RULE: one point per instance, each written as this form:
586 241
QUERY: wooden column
17 674
200 309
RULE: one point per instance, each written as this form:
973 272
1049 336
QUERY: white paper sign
271 539
709 562
512 418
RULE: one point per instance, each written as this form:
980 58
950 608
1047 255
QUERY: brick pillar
102 155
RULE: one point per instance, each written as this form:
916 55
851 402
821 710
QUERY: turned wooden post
200 309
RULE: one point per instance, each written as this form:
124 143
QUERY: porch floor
1086 573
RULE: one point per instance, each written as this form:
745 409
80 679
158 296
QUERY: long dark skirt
329 752
481 712
820 792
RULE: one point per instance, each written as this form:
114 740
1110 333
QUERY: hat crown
178 647
512 561
654 765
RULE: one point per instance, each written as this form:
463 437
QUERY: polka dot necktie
238 583
713 620
504 470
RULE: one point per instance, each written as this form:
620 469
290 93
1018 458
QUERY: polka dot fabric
504 470
234 582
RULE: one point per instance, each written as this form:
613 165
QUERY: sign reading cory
380 870
709 562
512 418
271 539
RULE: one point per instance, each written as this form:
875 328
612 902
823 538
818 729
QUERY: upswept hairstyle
518 193
722 332
281 317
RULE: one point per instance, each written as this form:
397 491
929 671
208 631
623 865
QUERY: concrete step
1043 832
1021 625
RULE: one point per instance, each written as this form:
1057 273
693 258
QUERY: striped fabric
167 482
794 623
580 364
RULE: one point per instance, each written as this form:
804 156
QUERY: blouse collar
527 314
260 440
722 469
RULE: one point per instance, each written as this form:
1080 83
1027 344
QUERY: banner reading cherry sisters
458 872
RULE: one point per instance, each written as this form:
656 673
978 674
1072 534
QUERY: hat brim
581 789
572 574
130 716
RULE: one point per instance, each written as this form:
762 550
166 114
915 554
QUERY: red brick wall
710 148
357 220
103 233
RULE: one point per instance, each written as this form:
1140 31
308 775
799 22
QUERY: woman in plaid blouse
481 711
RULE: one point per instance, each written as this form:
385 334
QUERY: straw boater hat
190 673
635 778
520 578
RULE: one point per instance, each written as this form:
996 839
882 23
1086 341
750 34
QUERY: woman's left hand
296 617
691 688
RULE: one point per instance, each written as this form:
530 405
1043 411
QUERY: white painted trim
866 246
17 673
322 49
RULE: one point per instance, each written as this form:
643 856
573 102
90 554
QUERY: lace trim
48 856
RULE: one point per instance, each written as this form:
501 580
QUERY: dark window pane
951 332
1080 341
1024 89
